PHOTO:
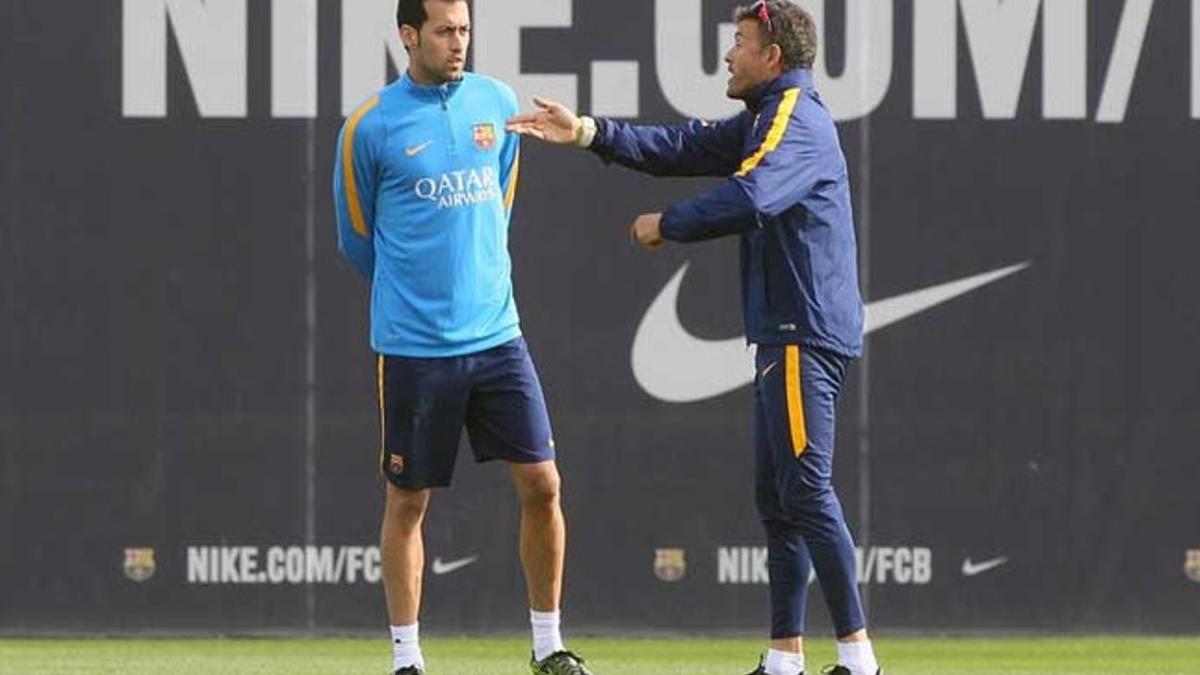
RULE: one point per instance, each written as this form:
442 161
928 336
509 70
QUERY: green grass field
901 656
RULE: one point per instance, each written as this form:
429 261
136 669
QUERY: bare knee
405 509
538 485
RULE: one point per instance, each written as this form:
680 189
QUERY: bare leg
543 533
792 645
856 636
403 552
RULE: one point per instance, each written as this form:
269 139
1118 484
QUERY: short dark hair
412 12
792 28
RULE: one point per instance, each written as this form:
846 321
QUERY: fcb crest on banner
1191 565
485 136
139 563
670 564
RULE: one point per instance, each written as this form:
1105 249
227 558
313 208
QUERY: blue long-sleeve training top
423 187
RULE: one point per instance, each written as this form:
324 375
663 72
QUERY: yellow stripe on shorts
382 410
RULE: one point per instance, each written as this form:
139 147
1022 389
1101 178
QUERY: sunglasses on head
764 16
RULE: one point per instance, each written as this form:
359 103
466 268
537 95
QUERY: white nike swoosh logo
674 366
768 369
970 569
417 149
440 567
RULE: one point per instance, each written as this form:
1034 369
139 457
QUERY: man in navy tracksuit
787 195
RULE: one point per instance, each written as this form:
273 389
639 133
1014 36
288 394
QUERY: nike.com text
283 565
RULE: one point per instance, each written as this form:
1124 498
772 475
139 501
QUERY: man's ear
775 57
410 37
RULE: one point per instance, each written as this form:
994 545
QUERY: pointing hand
552 122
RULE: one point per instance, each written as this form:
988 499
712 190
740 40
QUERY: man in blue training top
787 194
424 183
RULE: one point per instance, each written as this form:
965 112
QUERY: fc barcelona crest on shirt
485 136
669 564
139 563
1191 566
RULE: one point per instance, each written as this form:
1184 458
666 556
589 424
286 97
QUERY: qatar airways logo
455 189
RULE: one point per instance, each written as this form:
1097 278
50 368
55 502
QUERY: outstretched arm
693 149
790 163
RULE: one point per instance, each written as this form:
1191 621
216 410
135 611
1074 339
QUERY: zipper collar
437 93
797 77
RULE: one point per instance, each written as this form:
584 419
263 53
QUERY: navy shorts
424 404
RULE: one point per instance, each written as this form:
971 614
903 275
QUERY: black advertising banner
188 431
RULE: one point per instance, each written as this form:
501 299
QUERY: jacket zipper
452 145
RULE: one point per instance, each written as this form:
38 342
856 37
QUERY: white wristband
586 133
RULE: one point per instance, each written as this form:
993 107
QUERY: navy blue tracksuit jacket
787 193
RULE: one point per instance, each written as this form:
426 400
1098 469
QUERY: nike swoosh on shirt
970 569
417 149
675 366
440 567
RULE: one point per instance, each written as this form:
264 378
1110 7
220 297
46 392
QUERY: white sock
406 647
784 663
858 657
546 636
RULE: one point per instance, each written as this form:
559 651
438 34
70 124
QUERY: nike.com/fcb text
283 565
878 565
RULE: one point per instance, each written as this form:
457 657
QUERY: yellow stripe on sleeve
775 133
352 201
795 402
510 194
